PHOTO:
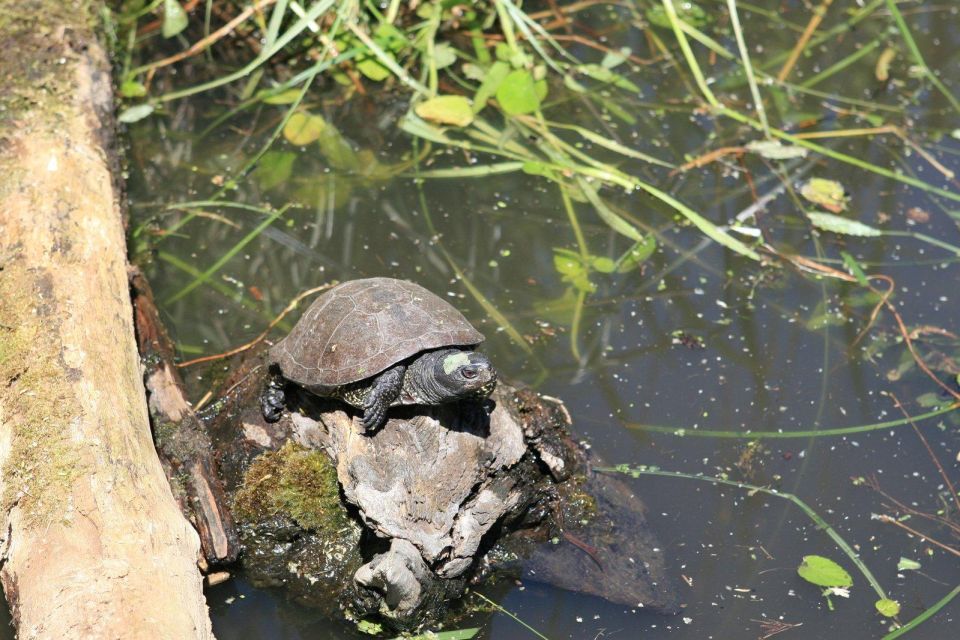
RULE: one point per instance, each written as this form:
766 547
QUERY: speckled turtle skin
361 328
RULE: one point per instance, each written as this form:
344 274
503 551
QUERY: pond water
698 338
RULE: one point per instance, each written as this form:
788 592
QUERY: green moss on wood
294 482
37 398
40 76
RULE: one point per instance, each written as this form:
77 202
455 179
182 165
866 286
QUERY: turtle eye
469 372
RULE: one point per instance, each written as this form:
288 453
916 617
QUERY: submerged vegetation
722 146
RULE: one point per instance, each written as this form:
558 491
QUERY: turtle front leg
273 400
384 390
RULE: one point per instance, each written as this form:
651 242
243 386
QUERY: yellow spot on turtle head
454 362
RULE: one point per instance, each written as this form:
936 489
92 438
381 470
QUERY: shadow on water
697 338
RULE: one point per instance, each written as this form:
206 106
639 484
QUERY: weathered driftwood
92 544
438 497
180 438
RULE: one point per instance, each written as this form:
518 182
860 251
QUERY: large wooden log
92 544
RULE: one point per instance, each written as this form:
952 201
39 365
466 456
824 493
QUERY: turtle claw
385 389
273 401
373 417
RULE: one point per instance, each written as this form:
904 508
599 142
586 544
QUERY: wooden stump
437 499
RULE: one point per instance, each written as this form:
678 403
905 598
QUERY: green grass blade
748 67
216 266
923 617
784 435
708 228
852 555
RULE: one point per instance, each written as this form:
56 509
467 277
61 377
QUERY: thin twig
933 456
815 20
205 43
894 521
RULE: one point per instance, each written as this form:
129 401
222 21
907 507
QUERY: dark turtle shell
361 327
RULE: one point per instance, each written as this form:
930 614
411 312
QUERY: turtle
376 343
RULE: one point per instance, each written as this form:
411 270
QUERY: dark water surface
698 339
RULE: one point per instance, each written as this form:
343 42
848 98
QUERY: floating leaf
615 58
132 89
829 194
928 401
824 572
135 113
906 564
688 12
303 128
517 94
174 18
491 83
275 168
836 224
452 110
888 608
775 150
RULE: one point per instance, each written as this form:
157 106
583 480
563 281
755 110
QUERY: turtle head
457 375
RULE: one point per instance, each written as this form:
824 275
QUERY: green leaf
888 608
687 12
284 97
444 55
566 262
174 18
535 168
452 110
855 268
570 266
603 264
370 67
135 113
132 89
824 572
369 627
275 168
637 255
491 83
928 401
836 224
906 564
615 57
605 75
517 94
776 150
303 128
829 194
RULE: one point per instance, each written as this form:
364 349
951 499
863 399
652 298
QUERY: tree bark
92 542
